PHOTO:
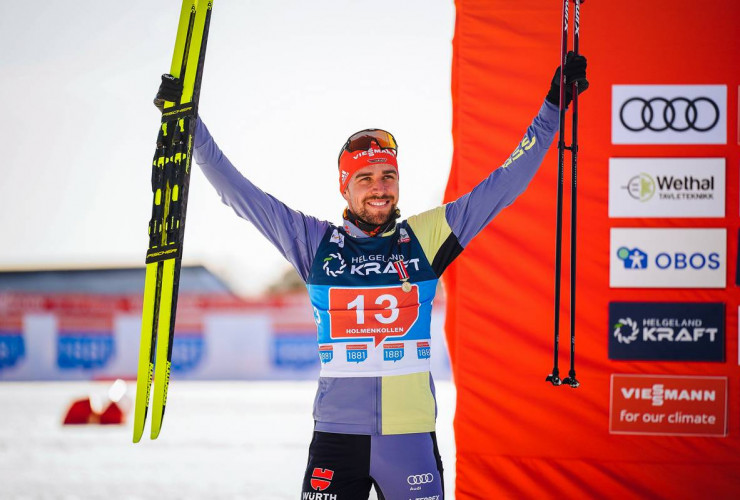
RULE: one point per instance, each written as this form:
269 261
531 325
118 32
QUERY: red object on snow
113 415
80 412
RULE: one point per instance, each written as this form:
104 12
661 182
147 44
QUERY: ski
170 183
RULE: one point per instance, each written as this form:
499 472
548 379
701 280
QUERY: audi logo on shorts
677 113
420 479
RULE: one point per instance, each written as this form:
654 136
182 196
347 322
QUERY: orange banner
655 68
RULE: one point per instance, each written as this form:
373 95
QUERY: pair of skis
170 181
554 376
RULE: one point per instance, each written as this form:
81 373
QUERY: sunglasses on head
362 140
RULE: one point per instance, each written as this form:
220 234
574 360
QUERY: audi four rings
420 479
678 114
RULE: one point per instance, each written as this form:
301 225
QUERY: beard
376 217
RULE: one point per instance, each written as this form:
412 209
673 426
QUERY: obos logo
334 264
634 258
667 331
668 258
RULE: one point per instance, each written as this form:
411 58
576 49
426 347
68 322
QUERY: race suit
372 303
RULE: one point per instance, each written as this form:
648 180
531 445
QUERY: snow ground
220 440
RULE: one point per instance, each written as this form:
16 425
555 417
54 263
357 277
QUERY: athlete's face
372 193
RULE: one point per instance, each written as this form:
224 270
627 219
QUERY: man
371 282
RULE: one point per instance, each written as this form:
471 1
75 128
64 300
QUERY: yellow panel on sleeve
431 229
407 404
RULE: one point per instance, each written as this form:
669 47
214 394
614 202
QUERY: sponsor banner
297 351
12 348
187 351
12 343
669 114
666 187
667 258
85 341
668 405
667 331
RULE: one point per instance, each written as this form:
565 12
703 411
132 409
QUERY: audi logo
679 114
420 479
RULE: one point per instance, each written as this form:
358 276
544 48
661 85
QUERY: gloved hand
575 71
169 90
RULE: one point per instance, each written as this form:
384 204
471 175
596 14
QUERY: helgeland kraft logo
667 331
625 330
334 264
668 258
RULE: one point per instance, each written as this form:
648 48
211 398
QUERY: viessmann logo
667 187
658 394
668 405
669 114
668 258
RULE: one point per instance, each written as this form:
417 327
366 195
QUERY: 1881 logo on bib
372 312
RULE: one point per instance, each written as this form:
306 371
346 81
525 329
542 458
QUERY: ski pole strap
177 112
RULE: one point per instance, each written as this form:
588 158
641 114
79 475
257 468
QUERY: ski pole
554 376
571 378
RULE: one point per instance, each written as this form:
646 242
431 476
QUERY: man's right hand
170 90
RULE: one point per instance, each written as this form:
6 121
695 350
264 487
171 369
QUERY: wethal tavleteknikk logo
641 187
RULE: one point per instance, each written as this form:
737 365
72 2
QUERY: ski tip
137 435
155 432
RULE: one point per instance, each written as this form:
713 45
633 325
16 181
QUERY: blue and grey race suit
372 302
